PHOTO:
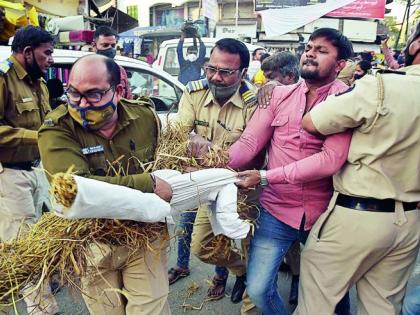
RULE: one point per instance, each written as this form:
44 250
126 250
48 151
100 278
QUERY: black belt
26 166
372 204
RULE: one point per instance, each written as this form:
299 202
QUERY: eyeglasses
224 73
91 97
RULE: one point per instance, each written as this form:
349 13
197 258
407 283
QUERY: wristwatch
263 178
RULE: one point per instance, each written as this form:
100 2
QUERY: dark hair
255 51
264 56
104 30
233 46
192 48
364 65
337 39
284 62
409 58
32 36
114 71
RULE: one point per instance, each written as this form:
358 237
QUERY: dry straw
56 245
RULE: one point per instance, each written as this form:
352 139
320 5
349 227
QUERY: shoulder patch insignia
247 95
198 85
346 91
5 66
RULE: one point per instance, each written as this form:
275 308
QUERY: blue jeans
186 225
411 305
269 245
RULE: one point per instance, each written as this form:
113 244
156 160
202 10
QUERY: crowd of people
327 153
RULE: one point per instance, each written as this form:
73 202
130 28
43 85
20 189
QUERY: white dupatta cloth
214 188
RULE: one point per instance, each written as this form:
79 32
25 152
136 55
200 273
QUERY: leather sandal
174 274
217 289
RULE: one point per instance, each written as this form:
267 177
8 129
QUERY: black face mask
358 76
33 69
109 52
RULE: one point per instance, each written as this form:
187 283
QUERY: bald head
96 74
94 67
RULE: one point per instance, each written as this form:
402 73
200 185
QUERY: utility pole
406 17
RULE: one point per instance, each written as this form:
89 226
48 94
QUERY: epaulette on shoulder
198 85
54 117
389 71
247 95
5 66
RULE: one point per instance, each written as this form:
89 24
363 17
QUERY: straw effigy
55 245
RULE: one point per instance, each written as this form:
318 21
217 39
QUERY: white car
164 90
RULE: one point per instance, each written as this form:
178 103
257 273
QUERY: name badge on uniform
49 122
26 99
201 123
91 150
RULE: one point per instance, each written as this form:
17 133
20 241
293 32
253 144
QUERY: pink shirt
126 85
389 58
300 165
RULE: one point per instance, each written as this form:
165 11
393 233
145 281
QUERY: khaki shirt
384 156
63 142
23 106
221 125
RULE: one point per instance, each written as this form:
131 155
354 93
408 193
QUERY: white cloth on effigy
212 187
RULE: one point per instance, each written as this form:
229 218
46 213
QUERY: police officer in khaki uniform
23 106
107 138
217 109
370 235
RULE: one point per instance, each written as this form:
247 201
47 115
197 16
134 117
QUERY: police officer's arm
10 136
59 150
351 109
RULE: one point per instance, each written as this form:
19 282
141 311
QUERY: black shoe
284 267
294 291
238 289
55 285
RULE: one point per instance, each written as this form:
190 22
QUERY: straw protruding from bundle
57 245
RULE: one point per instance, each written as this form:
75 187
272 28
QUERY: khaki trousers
201 246
376 251
126 282
202 238
23 194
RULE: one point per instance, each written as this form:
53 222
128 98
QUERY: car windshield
171 64
145 84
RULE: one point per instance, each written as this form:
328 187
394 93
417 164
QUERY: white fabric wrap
97 199
212 187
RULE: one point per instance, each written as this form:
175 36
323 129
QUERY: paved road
187 296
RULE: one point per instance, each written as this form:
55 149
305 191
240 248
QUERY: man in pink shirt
297 184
